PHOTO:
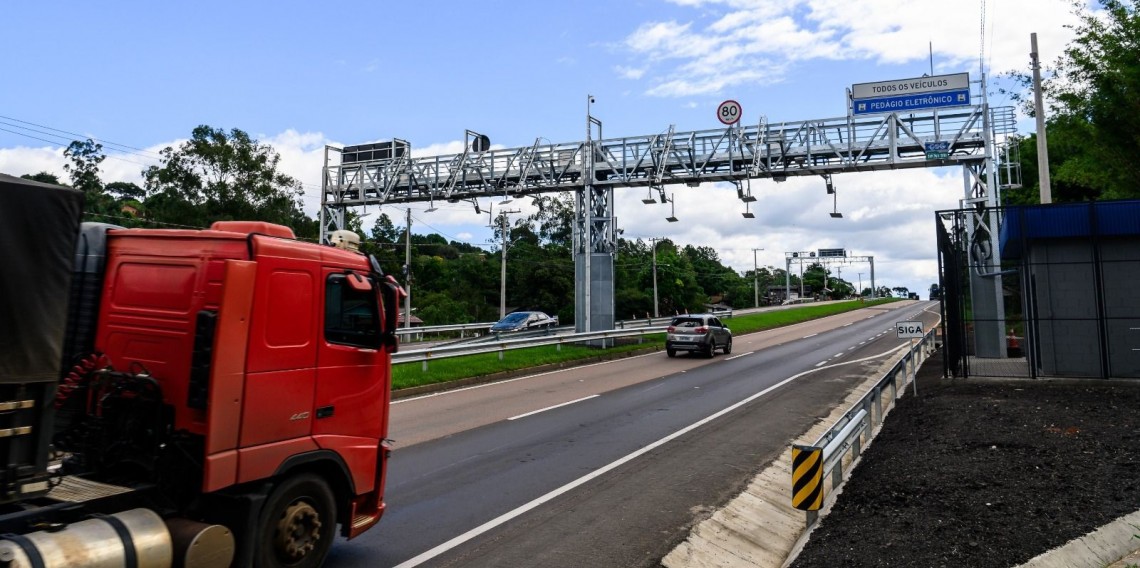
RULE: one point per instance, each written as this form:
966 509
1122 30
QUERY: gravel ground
986 473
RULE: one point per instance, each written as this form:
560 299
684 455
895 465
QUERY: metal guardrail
462 328
664 320
501 346
846 435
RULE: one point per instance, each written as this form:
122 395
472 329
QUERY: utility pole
1046 190
801 278
408 272
755 280
503 269
654 240
860 284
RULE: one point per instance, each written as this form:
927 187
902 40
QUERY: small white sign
729 112
917 85
909 329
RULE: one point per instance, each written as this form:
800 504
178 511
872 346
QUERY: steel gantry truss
822 260
594 167
732 154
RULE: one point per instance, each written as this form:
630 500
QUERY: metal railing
462 328
846 436
664 320
501 346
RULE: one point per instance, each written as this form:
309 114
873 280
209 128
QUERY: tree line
1092 94
225 175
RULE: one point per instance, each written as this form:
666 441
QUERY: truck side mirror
358 282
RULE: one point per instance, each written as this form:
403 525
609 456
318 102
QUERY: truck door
352 391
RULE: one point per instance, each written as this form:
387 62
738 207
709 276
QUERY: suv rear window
687 322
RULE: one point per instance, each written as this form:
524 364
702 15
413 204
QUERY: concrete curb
1101 548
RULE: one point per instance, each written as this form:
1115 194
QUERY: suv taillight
670 329
701 329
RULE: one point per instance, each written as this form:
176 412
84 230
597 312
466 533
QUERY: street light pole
656 313
408 275
503 267
755 280
860 284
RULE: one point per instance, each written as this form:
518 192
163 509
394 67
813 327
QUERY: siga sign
909 329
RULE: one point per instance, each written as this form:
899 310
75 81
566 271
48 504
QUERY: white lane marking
533 412
845 325
862 342
850 348
821 363
807 336
527 507
739 356
496 383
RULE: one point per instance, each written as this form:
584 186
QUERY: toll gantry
386 173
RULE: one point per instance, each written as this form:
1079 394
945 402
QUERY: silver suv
700 333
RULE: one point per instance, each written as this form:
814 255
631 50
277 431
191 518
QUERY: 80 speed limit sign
729 112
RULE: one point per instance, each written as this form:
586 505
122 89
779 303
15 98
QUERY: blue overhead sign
906 103
905 95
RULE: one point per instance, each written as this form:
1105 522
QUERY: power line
125 148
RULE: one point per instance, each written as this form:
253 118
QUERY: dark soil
984 473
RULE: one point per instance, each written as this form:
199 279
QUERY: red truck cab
273 356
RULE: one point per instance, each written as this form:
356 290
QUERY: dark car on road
698 333
524 321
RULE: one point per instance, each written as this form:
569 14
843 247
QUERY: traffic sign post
910 330
729 112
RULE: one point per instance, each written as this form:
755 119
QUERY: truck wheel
297 525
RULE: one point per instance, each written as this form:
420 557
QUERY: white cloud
886 215
629 72
759 41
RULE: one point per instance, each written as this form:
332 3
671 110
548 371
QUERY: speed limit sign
728 112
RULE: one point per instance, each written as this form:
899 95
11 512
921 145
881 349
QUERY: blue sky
139 76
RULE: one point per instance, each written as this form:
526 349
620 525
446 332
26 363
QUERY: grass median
412 374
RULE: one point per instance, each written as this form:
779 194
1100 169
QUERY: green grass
406 375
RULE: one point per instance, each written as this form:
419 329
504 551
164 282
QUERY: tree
43 177
84 167
124 190
384 231
902 291
1094 125
219 175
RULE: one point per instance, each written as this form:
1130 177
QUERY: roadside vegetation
412 374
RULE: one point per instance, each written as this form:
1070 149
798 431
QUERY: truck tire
298 524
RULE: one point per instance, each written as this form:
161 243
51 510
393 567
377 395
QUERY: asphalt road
608 464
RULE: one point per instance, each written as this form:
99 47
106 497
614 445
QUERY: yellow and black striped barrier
807 477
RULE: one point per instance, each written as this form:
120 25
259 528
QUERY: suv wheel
670 352
728 346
